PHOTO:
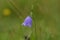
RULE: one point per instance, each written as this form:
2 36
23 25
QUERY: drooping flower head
27 21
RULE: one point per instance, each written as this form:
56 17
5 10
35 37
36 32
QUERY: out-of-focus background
45 15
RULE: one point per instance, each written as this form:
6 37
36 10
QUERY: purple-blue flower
27 21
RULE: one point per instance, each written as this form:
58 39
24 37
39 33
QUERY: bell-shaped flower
27 22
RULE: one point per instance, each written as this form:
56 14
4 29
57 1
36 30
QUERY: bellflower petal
27 21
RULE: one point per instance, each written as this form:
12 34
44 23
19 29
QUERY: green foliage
46 19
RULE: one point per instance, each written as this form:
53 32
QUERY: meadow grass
45 15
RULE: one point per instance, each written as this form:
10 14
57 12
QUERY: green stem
15 8
35 31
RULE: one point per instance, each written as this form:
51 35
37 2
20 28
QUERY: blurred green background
45 15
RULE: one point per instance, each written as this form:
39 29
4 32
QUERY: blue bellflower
27 22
